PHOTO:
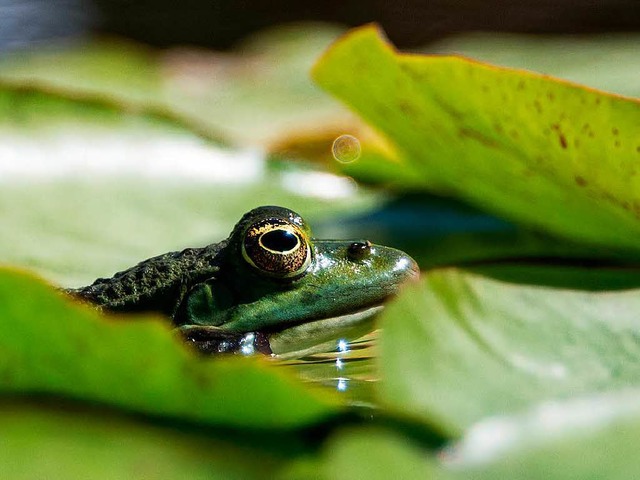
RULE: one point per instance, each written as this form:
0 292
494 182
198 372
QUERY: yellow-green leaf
532 148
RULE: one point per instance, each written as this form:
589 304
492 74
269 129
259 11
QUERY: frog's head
276 276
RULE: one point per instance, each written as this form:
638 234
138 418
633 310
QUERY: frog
270 287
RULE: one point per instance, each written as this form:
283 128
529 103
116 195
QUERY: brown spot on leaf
406 108
563 141
615 131
480 137
580 181
561 137
538 106
412 72
448 108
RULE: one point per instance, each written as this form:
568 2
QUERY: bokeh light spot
346 149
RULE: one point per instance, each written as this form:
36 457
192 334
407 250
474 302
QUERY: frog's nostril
359 250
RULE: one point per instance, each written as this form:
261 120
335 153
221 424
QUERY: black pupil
279 240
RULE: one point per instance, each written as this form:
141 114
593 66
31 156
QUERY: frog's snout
407 268
414 270
401 267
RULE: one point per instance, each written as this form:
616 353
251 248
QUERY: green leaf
255 95
531 148
460 347
375 454
585 437
111 70
48 345
50 442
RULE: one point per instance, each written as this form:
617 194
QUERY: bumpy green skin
214 291
158 284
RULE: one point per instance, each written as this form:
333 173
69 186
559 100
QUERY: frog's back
157 284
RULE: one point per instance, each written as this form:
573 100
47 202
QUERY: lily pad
460 347
576 438
40 441
48 345
256 94
534 149
608 455
376 454
582 438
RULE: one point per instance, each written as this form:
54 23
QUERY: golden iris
276 247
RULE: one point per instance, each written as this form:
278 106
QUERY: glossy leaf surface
534 149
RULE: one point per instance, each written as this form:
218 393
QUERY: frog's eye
276 248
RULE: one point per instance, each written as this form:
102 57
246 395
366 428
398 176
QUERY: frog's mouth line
345 320
321 330
288 338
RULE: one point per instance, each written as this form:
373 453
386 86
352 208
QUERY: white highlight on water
247 344
343 345
343 384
